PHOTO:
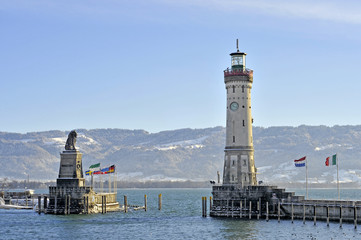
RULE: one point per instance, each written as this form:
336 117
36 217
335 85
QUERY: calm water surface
180 218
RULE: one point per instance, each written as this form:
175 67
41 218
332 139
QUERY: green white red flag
331 160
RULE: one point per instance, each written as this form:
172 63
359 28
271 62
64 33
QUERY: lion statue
70 142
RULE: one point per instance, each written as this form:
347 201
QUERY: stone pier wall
336 210
253 201
57 196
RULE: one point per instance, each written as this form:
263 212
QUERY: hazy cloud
331 10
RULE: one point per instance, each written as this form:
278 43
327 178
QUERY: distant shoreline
16 184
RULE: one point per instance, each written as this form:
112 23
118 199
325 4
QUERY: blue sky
158 64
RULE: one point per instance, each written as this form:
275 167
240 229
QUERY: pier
271 202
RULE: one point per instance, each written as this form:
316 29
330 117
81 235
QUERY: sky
158 64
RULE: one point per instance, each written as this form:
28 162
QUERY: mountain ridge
187 154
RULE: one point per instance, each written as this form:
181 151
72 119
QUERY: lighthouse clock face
234 106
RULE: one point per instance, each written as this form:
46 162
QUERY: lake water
180 218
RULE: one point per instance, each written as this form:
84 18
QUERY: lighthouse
239 167
239 195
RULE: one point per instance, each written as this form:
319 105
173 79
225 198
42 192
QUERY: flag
333 158
95 166
112 169
97 172
88 172
300 162
107 170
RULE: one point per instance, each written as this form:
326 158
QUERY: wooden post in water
245 207
66 205
125 204
160 201
210 204
355 214
232 209
202 206
145 203
87 204
32 200
292 212
45 203
304 213
39 204
69 204
250 210
227 207
205 206
267 211
279 210
340 216
240 209
56 204
328 215
314 214
26 200
258 210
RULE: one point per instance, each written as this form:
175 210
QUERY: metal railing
238 72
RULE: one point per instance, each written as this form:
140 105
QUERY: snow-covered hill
188 154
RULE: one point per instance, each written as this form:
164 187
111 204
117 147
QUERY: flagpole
92 180
338 181
306 181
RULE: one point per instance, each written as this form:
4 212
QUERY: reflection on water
239 229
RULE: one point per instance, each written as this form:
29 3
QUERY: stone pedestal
71 166
71 169
68 195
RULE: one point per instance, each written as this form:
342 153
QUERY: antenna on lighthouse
237 45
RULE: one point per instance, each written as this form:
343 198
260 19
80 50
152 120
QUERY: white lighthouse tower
239 165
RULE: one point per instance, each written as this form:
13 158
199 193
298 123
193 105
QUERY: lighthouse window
243 123
234 139
243 106
233 163
243 88
234 89
232 177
